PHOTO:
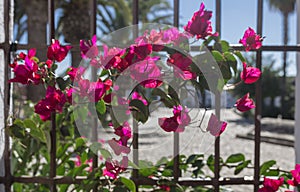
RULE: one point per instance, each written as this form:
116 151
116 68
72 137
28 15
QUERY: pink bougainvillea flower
49 63
250 74
271 185
88 162
141 51
76 73
69 93
89 48
250 40
200 24
26 73
83 87
78 162
30 55
124 131
181 65
57 52
118 146
96 91
216 127
245 103
296 176
136 95
165 187
146 72
114 168
54 101
176 123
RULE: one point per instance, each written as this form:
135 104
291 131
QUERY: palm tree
31 16
286 7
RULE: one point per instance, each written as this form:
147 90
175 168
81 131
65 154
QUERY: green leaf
211 163
225 46
231 60
173 94
272 172
105 153
128 183
266 166
167 173
167 101
142 113
120 189
235 158
61 170
79 142
218 56
146 168
192 158
163 160
241 166
100 106
225 70
240 56
131 164
16 131
34 131
62 83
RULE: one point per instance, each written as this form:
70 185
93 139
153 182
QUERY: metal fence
216 181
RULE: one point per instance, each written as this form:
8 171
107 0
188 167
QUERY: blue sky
238 15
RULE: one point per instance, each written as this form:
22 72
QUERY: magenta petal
216 127
245 103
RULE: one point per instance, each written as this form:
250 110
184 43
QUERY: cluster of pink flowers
114 167
200 24
176 123
143 68
273 185
29 71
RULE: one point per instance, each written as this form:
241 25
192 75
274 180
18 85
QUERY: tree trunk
285 42
36 11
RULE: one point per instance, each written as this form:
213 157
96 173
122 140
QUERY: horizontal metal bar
140 181
198 182
193 48
263 48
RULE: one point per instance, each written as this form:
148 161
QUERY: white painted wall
1 92
297 114
2 82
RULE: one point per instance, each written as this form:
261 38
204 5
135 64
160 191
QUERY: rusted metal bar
176 170
93 31
51 19
140 181
53 143
263 48
7 19
200 182
258 100
216 178
268 48
135 138
53 150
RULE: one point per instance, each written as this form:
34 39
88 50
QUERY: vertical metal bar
51 19
51 36
135 139
176 135
7 15
258 100
53 151
93 29
217 109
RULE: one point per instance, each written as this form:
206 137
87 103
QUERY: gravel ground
155 143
